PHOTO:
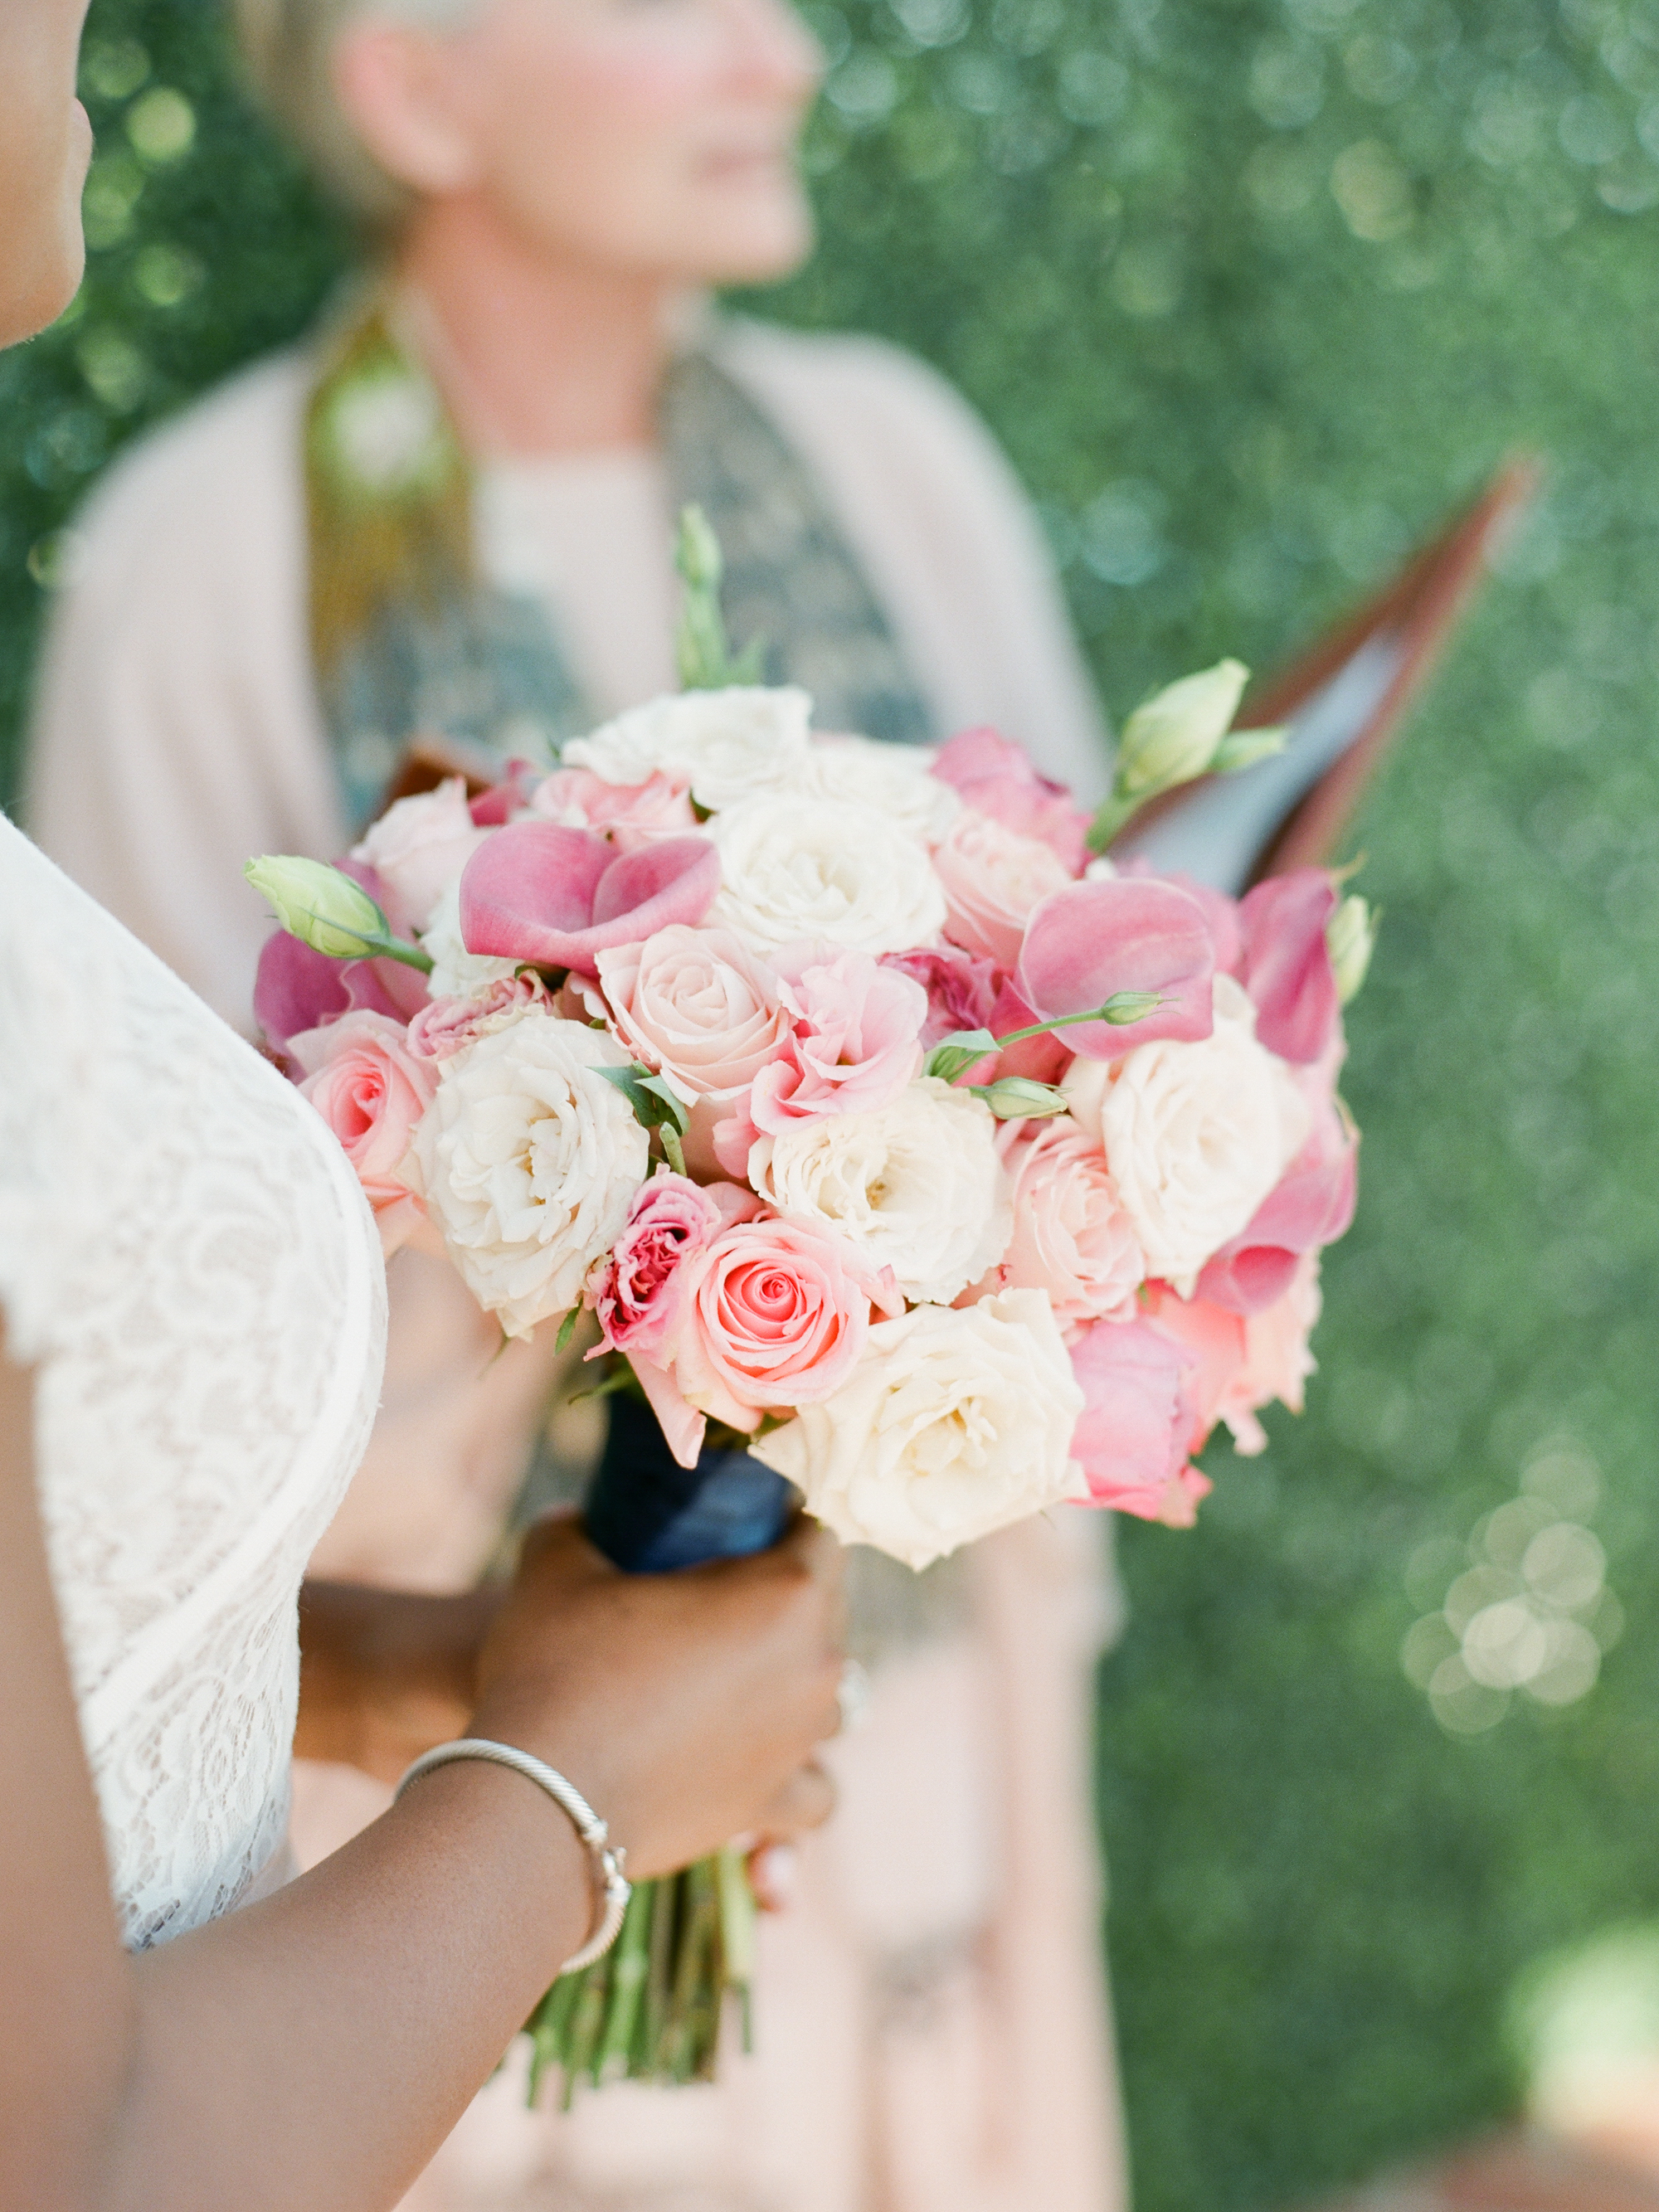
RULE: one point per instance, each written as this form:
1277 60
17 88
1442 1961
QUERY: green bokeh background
1253 293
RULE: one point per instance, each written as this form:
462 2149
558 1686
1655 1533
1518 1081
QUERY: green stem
1064 1021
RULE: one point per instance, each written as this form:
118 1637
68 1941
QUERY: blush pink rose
1137 1422
1277 1358
994 776
697 1005
417 849
632 814
1071 1237
444 1027
1214 1339
371 1092
775 1317
993 877
636 1291
855 1043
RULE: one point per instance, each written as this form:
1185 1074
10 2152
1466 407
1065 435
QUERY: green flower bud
1174 735
319 905
1126 1006
1016 1098
1351 936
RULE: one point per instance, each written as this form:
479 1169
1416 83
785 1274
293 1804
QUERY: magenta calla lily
1087 943
1286 963
557 897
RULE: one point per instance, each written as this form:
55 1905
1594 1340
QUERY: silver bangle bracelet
611 1885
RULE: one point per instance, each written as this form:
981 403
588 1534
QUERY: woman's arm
309 2053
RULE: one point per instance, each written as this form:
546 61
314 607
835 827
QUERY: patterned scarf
408 640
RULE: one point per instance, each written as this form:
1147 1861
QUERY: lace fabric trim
185 1252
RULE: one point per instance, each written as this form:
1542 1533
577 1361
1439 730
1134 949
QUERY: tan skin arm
309 2053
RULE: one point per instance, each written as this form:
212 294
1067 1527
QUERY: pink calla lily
994 776
559 897
1286 963
1085 944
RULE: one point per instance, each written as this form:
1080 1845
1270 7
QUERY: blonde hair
289 48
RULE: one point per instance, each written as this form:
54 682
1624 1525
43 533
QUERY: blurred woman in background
450 515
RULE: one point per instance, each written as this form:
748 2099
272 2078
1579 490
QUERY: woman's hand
685 1707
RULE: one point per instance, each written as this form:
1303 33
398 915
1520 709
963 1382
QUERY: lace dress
185 1252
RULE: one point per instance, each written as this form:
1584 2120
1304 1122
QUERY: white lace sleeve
185 1252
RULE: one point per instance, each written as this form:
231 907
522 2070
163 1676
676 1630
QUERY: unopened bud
319 905
1350 937
1126 1006
1016 1098
1174 736
697 551
1244 748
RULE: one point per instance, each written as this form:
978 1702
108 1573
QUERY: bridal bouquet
883 1126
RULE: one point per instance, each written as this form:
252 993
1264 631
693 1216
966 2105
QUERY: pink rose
632 813
697 1005
636 1291
1214 1339
995 778
417 849
992 878
772 1316
557 898
1071 1237
446 1026
1277 1359
1137 1422
776 1318
371 1092
1088 942
961 988
854 1045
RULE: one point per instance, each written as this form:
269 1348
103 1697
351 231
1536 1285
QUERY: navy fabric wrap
648 1514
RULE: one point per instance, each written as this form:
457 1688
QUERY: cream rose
457 973
795 868
727 743
1195 1133
993 877
528 1162
697 1004
952 1423
916 1185
895 779
1071 1237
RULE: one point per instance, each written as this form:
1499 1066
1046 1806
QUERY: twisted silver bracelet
612 1886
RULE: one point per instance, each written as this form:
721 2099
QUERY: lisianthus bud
1016 1098
1174 736
320 906
1350 937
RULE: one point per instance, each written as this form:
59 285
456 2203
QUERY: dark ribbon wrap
648 1514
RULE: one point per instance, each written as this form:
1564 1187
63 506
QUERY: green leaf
567 1328
951 1054
675 1108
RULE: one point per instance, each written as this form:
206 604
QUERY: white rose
528 1162
420 846
916 1185
895 779
729 744
457 973
952 1423
794 868
1196 1134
